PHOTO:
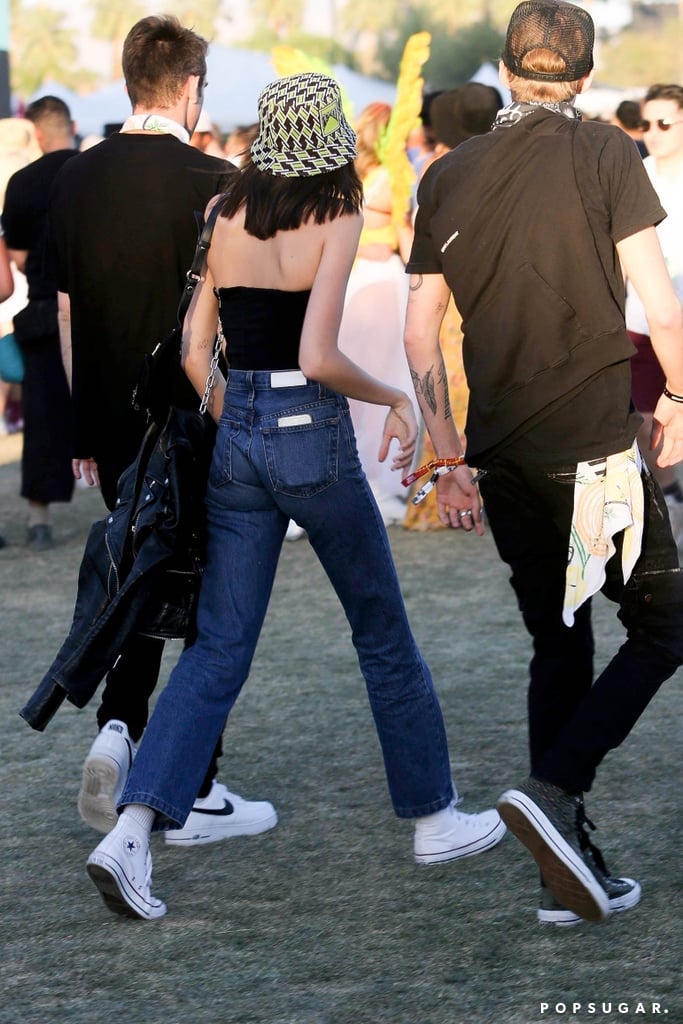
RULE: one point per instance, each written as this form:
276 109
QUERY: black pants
573 720
129 685
46 474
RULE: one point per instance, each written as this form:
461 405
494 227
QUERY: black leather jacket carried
141 565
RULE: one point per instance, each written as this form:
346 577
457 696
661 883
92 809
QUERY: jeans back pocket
302 459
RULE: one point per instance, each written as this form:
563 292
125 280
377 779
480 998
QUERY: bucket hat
564 29
302 127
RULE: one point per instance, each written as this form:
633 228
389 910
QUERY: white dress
371 334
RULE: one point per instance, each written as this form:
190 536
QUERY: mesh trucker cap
564 28
302 128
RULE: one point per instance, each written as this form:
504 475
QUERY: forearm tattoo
425 386
443 380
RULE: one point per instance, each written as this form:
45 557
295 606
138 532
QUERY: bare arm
81 468
6 279
320 358
64 323
427 303
18 257
199 335
643 263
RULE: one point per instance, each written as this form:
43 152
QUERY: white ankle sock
142 815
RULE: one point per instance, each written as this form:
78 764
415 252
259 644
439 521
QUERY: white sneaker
449 835
121 868
105 772
220 815
294 531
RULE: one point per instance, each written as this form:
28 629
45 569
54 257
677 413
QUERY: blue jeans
265 472
575 720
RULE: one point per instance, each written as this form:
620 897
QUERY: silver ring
465 512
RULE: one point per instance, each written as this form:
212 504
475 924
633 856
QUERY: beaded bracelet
670 394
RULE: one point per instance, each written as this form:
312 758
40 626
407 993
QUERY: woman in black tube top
281 254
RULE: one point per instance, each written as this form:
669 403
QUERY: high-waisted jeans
289 453
573 720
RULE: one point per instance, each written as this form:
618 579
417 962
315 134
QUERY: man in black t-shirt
46 452
124 222
528 226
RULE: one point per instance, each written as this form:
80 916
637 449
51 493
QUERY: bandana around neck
514 112
155 123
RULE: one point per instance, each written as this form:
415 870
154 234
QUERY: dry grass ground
326 920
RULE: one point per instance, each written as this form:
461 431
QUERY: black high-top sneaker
622 893
547 820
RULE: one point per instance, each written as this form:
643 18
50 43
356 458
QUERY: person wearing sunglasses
662 126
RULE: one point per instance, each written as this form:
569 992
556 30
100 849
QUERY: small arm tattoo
416 283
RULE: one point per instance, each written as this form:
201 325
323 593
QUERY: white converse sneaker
104 775
449 835
220 815
121 868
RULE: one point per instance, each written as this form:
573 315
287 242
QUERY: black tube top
262 326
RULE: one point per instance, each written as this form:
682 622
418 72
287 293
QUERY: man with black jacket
124 220
528 226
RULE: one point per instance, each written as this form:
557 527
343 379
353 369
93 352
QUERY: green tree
371 26
282 16
42 48
455 54
379 31
637 58
322 47
201 17
454 15
111 22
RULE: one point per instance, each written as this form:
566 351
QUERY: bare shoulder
347 226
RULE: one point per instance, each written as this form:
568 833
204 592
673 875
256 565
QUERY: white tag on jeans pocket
294 421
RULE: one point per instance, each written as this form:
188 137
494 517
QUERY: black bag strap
194 274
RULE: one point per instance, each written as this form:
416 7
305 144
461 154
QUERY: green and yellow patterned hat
302 128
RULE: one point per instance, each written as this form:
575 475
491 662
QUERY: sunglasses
661 124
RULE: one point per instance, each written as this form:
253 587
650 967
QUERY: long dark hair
275 203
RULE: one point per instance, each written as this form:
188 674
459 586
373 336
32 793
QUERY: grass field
326 920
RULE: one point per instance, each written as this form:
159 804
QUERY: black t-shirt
125 218
25 219
522 223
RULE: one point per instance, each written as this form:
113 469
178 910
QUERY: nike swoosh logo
219 811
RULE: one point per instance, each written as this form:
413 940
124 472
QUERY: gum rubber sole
96 797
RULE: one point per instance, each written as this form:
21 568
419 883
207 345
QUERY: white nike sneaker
220 815
105 772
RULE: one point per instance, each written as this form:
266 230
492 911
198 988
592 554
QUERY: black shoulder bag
183 430
162 382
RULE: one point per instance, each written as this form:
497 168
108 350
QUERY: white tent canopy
235 79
